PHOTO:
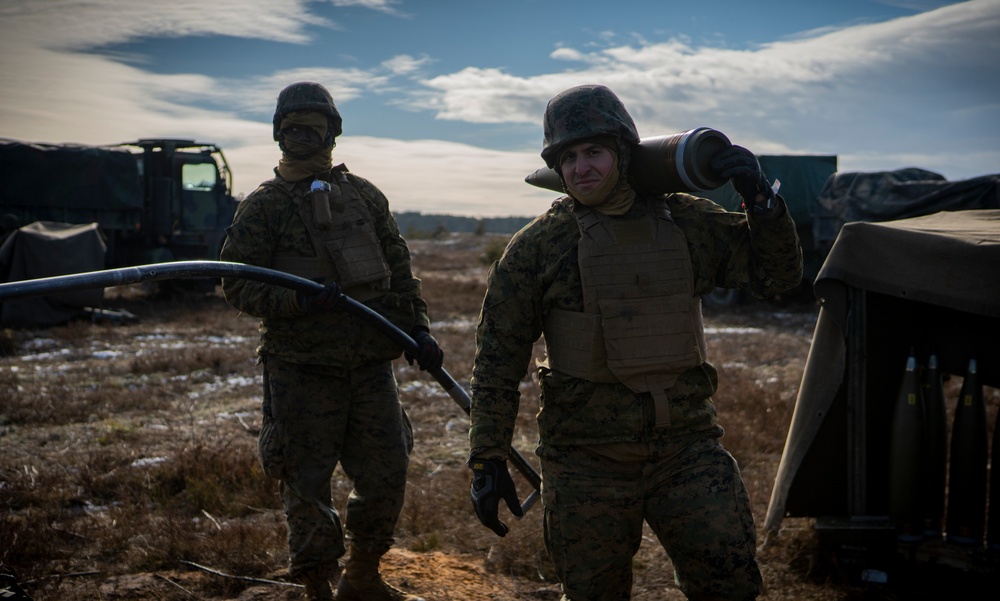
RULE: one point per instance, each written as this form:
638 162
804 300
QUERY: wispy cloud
83 24
387 6
863 87
405 64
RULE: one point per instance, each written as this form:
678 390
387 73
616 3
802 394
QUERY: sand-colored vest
642 323
343 235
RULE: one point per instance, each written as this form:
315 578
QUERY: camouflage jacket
539 270
267 223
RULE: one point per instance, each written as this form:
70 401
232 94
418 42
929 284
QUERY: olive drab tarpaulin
70 178
900 194
821 200
44 249
929 282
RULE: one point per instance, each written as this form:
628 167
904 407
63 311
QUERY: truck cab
188 203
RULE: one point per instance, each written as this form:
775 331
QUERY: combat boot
317 583
361 580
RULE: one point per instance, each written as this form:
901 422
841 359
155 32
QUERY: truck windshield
199 176
198 186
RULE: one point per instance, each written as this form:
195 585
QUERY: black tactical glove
326 300
741 166
491 482
430 356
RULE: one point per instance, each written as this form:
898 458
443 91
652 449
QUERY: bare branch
244 578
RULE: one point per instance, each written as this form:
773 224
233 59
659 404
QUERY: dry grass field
128 467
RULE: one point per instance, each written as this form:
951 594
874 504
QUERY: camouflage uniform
329 391
606 466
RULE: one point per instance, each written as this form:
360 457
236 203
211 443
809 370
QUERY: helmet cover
308 96
584 112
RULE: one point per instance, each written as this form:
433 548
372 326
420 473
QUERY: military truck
154 200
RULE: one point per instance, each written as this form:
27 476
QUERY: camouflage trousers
315 417
692 497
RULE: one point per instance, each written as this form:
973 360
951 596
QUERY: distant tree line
414 224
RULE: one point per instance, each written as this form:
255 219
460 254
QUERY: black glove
741 166
491 482
326 300
429 356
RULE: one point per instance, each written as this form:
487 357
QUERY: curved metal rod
212 269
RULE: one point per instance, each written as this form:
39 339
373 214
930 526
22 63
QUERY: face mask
303 133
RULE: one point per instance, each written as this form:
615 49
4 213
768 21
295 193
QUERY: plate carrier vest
343 235
641 323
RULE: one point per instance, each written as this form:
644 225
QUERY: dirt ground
433 576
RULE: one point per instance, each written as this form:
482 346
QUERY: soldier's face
585 167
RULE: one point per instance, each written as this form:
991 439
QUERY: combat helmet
584 112
308 96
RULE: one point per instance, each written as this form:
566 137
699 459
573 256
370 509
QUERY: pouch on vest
343 235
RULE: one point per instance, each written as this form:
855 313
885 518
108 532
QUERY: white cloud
386 6
486 96
428 176
569 54
92 23
405 64
54 94
433 176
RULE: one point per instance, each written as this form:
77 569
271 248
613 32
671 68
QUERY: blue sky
443 99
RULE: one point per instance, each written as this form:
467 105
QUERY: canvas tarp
933 281
44 249
69 176
892 195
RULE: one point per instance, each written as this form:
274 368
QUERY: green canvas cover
45 249
923 284
889 195
50 178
